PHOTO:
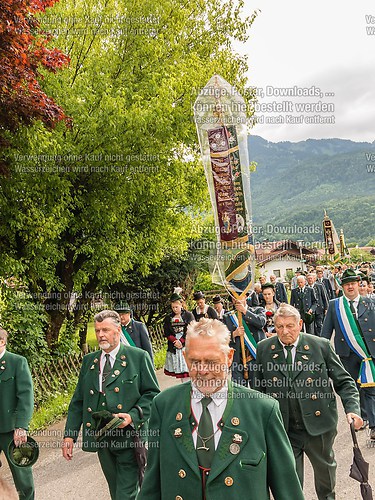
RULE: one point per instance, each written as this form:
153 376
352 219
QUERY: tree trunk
57 319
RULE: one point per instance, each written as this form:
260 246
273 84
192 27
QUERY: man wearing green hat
133 332
120 380
352 317
16 409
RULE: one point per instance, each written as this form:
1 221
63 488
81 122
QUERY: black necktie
205 436
106 371
352 308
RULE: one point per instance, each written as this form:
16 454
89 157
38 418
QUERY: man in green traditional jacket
297 369
16 410
212 439
121 380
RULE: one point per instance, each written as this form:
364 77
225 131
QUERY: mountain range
295 182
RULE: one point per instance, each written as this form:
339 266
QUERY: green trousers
320 453
22 476
121 471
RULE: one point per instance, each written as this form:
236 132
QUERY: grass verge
53 409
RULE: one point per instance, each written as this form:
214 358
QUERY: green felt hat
308 318
24 455
175 297
122 307
105 423
349 276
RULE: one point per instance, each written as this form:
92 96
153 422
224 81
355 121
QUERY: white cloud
322 44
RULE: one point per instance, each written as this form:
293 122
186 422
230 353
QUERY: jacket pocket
6 380
130 380
251 462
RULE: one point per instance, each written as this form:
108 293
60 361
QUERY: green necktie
352 308
106 371
289 359
205 436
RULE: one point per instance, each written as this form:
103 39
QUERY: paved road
83 479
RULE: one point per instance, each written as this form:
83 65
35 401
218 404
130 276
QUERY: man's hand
127 420
67 448
240 306
238 332
19 436
353 417
309 311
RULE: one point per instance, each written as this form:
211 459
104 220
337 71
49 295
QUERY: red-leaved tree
23 52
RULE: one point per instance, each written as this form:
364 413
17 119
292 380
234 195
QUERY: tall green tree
118 191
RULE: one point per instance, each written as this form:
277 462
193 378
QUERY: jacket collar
181 431
302 356
118 367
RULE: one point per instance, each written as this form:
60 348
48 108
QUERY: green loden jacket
132 382
264 459
16 393
315 366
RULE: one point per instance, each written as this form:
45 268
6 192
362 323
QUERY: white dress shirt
355 303
112 359
216 409
295 344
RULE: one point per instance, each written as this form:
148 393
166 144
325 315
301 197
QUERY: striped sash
249 340
125 338
352 335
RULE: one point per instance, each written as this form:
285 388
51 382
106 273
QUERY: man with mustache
121 380
213 439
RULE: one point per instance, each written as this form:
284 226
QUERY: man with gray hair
213 439
112 401
303 298
16 410
280 290
298 370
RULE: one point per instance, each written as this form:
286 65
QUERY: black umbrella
359 468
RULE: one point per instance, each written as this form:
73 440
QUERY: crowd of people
260 381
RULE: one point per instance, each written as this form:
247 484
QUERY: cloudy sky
320 46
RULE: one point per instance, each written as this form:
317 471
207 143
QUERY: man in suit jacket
321 302
280 290
252 299
255 320
303 299
342 311
16 410
212 439
293 282
121 380
297 370
134 333
325 282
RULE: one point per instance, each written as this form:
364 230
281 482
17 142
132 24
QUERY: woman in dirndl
175 326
